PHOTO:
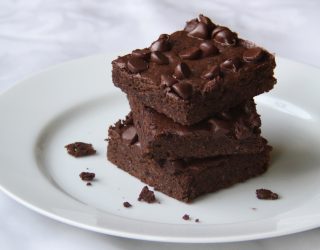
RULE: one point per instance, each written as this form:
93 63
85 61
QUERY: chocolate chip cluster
214 40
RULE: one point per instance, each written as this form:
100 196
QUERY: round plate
77 101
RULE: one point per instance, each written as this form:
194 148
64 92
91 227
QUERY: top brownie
196 72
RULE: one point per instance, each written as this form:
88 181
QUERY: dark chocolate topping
136 65
141 53
168 80
208 49
162 44
159 58
224 37
212 72
252 54
200 31
190 53
182 71
230 65
183 89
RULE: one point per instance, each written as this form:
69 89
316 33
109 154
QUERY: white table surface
36 34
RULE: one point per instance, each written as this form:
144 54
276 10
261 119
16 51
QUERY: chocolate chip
130 135
220 127
141 53
230 65
172 56
78 149
159 58
186 217
87 176
200 31
224 36
167 80
212 85
127 204
183 89
190 53
162 44
252 55
136 65
207 21
182 71
265 194
164 36
208 49
212 72
190 25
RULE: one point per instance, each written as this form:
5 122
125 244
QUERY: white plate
77 101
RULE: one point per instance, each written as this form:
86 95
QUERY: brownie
196 72
236 131
185 179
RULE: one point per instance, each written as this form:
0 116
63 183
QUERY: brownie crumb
186 217
89 184
254 209
87 176
127 204
147 195
265 194
78 149
197 220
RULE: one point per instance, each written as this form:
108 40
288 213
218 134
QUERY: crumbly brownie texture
195 72
184 180
147 195
87 176
236 131
265 194
79 149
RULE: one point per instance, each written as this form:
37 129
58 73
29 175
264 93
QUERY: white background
36 34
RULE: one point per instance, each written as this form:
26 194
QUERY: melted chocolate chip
164 36
136 65
183 89
224 36
182 71
173 57
208 49
230 65
252 55
190 25
159 58
141 53
220 127
147 195
130 135
78 149
190 53
212 85
87 176
162 44
265 194
200 31
167 80
207 21
212 72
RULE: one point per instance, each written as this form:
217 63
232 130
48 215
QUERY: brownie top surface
196 59
239 122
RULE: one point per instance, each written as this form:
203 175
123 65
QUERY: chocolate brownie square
236 131
196 72
184 179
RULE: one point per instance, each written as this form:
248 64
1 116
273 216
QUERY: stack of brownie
193 126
